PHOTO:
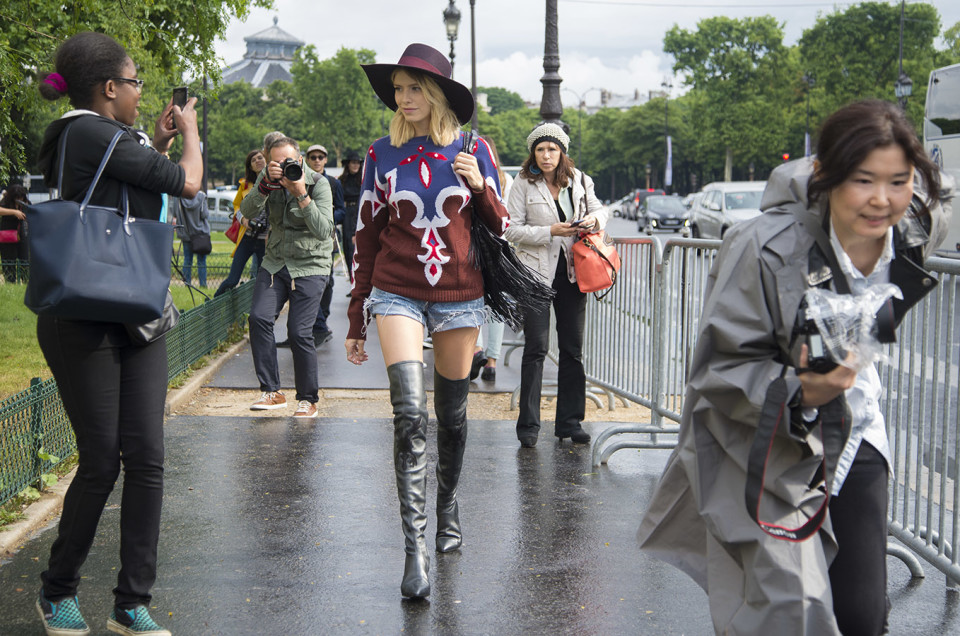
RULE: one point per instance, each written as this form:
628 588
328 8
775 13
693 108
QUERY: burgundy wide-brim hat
430 62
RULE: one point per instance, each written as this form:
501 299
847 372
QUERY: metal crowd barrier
639 341
35 419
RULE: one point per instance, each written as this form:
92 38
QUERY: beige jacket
533 211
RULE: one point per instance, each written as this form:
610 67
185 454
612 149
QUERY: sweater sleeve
371 221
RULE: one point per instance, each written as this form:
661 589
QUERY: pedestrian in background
113 390
352 180
874 193
251 243
191 217
413 270
550 203
317 160
13 244
296 267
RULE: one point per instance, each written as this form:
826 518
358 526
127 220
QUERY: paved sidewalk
274 526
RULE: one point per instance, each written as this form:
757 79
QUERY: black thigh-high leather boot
410 465
450 406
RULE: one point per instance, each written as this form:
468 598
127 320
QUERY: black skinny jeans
858 574
113 393
570 307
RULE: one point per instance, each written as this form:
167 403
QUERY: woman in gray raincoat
862 190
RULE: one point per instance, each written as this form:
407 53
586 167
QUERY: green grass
20 357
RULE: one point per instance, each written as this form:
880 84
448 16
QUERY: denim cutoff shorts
436 316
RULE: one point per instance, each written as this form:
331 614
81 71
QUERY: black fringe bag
510 288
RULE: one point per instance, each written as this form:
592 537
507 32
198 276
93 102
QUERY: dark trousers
245 249
113 393
858 575
324 312
270 292
570 307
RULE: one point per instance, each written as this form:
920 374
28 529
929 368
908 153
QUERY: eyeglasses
138 83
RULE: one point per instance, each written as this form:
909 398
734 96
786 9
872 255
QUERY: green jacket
299 239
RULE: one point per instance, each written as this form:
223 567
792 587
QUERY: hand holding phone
576 223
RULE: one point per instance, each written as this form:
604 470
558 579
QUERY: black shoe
284 343
321 336
577 435
478 362
489 374
528 441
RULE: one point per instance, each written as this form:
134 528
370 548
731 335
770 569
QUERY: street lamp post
903 87
451 19
808 80
581 101
473 67
648 169
550 106
668 164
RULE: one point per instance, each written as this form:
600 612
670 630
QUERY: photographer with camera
296 267
862 215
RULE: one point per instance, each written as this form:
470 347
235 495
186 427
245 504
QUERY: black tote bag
97 263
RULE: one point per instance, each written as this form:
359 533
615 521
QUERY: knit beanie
548 132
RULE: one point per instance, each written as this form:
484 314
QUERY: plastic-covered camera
291 169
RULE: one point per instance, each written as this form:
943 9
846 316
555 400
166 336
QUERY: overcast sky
616 45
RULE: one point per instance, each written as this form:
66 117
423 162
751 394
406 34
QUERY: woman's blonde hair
444 126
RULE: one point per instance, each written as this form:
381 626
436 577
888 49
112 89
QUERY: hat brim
458 96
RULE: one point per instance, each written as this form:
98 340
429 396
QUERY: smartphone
576 223
180 97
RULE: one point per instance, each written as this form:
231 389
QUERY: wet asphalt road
273 526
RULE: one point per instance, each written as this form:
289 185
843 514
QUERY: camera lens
291 169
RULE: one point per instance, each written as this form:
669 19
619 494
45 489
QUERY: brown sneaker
269 400
306 409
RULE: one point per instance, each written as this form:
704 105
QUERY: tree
339 108
951 55
736 63
500 100
853 53
166 38
236 125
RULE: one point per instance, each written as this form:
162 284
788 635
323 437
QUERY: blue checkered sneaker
63 617
134 622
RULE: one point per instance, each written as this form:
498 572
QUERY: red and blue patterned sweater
413 232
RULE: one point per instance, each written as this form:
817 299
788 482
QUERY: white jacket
532 212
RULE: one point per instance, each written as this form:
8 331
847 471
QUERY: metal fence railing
33 423
639 342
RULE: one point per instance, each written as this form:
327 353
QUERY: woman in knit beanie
412 269
550 203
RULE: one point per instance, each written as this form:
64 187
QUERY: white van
220 206
723 204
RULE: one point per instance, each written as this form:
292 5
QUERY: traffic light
785 156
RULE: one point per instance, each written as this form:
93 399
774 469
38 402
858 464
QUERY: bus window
943 103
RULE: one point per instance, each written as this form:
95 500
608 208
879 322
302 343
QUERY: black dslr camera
291 169
257 226
819 359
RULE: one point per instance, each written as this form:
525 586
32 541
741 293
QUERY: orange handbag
596 263
233 231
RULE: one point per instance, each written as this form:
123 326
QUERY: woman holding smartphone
551 202
113 389
413 269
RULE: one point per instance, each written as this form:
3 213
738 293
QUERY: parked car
220 206
663 213
723 204
639 196
619 207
